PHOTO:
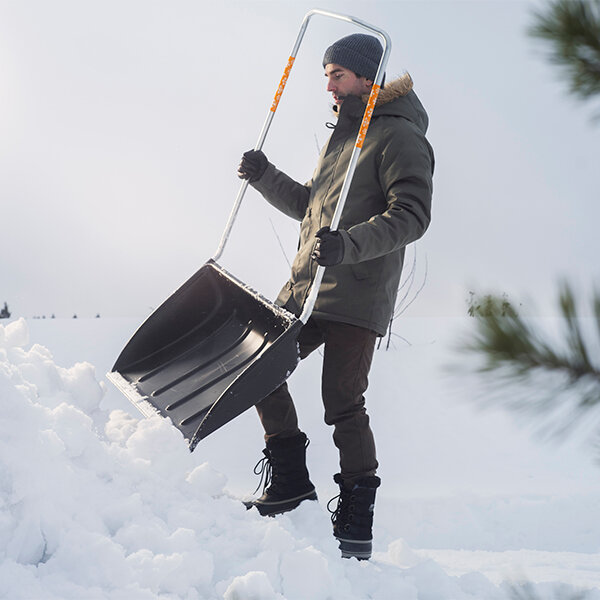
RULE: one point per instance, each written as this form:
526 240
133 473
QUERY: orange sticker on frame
282 83
367 117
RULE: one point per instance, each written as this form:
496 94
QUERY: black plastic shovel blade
212 350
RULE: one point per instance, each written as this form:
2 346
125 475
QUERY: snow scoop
216 347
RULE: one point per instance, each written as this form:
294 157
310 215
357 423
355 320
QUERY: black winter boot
353 516
284 468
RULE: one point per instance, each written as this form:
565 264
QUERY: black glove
329 248
254 164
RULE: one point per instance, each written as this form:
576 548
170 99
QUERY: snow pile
102 505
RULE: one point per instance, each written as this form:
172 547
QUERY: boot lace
335 513
263 468
340 514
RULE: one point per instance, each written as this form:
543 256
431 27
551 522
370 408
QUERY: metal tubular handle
387 46
263 134
309 304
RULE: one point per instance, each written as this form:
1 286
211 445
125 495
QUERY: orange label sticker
282 83
367 117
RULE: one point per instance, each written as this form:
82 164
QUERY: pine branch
572 28
508 341
514 351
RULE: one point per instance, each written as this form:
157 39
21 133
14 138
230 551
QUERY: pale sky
122 123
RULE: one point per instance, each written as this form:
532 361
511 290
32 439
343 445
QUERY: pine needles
572 28
549 375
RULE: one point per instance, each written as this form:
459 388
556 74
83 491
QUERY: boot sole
359 549
270 509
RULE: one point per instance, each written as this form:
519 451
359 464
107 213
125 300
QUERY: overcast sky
122 123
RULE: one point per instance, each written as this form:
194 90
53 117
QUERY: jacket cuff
261 184
348 246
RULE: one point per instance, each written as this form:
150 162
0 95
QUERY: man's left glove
329 248
254 164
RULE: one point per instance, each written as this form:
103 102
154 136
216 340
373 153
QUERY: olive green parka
388 207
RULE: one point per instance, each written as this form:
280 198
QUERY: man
387 208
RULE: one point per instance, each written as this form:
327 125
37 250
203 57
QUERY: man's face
342 82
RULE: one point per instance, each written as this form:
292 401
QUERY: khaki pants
347 356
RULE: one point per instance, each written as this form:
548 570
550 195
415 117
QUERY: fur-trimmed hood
392 90
396 98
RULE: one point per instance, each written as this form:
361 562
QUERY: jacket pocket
364 270
285 296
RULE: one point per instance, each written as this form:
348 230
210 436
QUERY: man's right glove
254 164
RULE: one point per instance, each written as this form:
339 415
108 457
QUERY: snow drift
100 504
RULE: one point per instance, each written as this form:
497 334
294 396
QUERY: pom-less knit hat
358 52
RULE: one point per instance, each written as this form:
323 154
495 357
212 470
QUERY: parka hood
395 98
394 89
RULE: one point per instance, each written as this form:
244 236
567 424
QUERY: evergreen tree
5 313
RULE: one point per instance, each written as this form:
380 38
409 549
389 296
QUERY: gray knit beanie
358 52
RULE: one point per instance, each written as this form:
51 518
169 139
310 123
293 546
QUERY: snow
98 502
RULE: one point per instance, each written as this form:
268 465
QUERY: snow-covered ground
97 502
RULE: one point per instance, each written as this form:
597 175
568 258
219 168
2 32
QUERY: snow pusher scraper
215 347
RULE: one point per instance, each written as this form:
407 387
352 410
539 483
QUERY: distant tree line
5 314
53 316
